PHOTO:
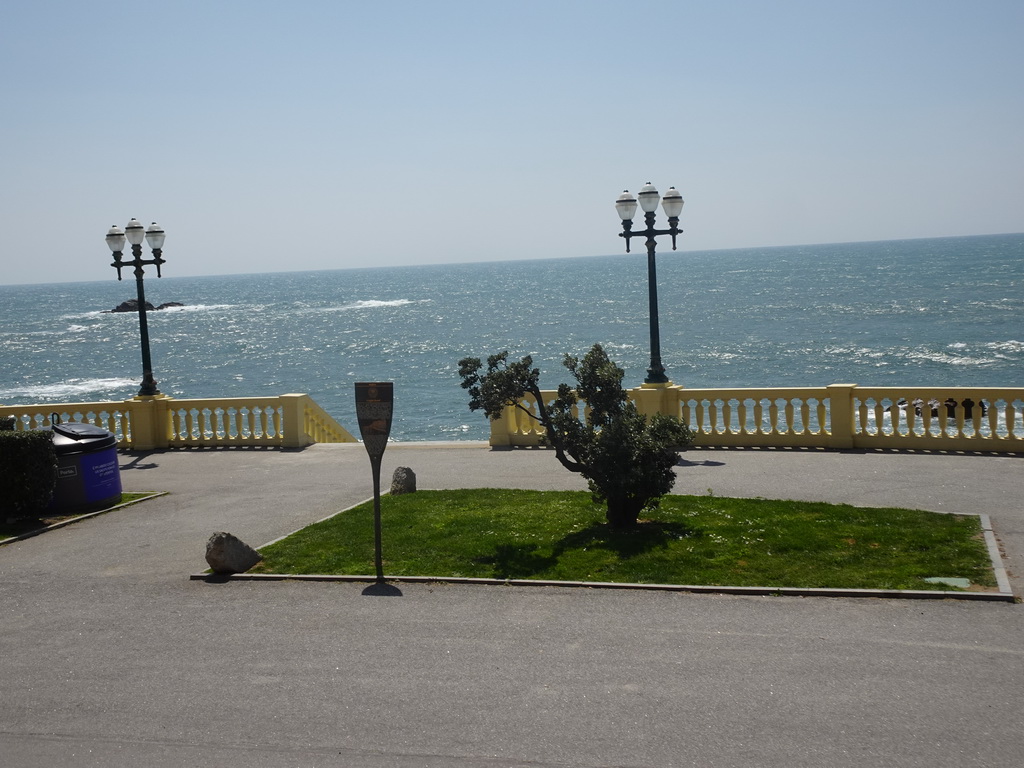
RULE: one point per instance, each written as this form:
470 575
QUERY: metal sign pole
374 408
378 559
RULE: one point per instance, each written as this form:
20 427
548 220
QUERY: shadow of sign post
374 408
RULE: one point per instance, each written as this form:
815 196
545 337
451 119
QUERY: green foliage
627 459
28 473
515 534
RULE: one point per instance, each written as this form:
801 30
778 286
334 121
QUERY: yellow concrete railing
146 423
837 416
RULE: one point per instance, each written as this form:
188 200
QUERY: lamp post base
157 396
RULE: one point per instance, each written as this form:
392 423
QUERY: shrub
28 473
627 459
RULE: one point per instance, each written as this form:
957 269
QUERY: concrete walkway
110 656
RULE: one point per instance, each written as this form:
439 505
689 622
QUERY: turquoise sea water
933 312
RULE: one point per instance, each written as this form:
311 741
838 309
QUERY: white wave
66 389
1006 346
947 359
198 307
855 352
77 328
99 313
84 315
371 304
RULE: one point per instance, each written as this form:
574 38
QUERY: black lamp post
672 203
134 233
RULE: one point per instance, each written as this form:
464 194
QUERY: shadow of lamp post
134 234
672 203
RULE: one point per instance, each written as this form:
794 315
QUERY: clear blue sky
315 134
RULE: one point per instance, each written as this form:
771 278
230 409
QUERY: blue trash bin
88 475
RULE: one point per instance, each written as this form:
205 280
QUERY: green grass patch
697 540
10 529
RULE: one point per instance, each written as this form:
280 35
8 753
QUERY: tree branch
553 435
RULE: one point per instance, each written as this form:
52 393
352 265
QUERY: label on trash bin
102 476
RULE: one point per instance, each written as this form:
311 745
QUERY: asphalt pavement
111 656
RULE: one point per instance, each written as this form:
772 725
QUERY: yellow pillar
293 414
656 398
840 406
501 426
150 428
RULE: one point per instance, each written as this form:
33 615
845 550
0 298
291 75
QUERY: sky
316 134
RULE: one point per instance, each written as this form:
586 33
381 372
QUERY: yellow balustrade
146 423
790 417
935 418
837 416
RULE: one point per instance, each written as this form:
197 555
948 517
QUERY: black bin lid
79 437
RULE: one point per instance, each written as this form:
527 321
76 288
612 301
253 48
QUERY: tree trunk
622 512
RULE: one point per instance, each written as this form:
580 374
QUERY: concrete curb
693 588
1002 578
78 518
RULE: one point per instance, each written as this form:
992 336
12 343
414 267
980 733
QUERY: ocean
929 312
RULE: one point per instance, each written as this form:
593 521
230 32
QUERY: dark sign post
375 403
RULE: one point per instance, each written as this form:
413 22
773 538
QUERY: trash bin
88 476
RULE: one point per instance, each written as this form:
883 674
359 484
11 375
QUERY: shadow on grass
517 561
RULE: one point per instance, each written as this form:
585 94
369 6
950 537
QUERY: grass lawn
696 540
14 528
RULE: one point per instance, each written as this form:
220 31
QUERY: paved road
110 656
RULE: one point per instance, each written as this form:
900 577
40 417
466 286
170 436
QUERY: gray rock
403 481
131 305
228 554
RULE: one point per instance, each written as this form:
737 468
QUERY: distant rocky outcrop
132 305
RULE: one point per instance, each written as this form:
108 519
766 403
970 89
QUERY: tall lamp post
672 203
134 234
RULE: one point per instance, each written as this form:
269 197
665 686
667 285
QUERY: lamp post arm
650 233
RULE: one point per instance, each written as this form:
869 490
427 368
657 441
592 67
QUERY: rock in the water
403 481
229 554
132 305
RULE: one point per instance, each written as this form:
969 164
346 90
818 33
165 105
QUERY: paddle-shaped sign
375 404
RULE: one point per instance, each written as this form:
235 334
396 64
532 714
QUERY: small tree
627 459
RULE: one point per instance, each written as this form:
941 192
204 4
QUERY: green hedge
28 473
